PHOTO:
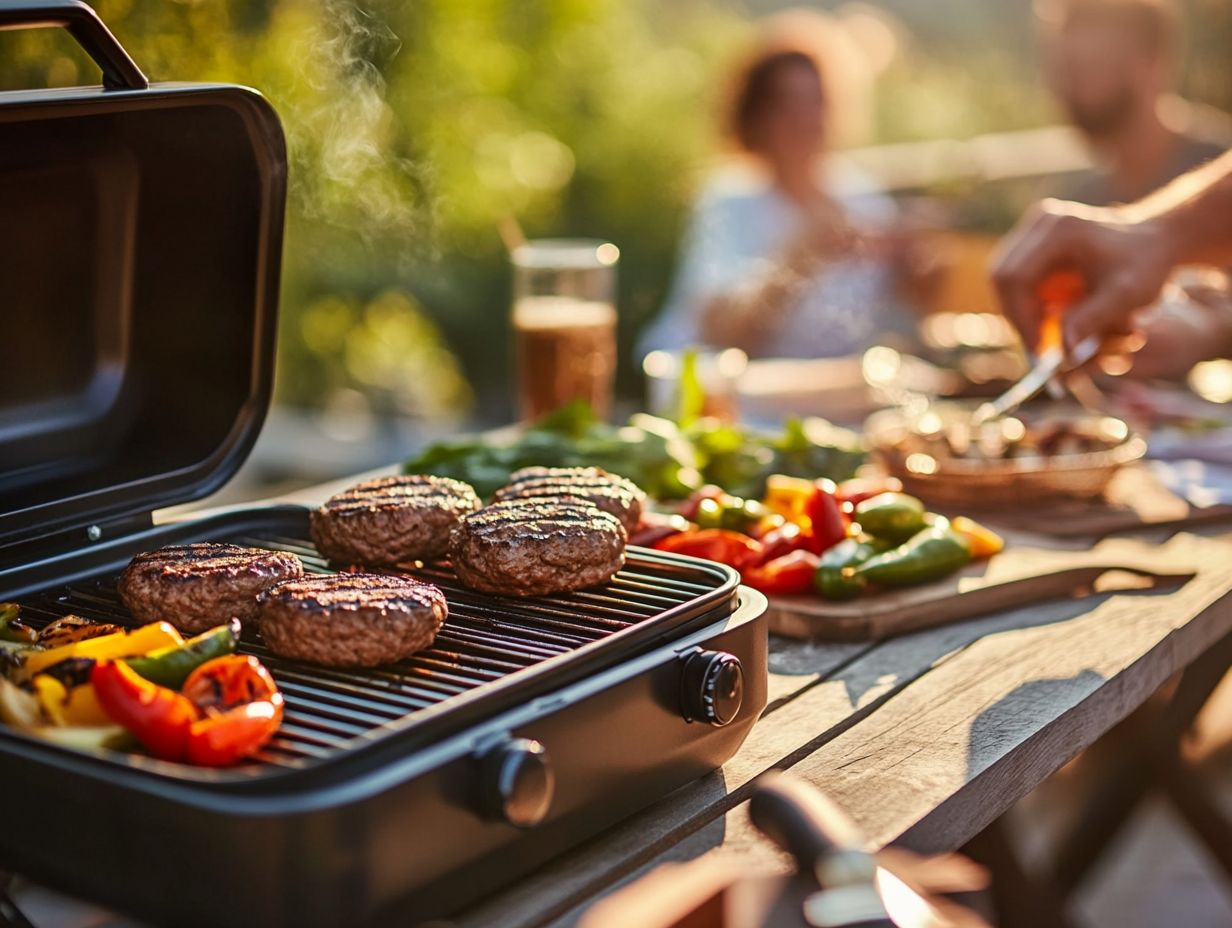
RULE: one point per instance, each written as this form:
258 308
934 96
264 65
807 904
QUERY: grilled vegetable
895 517
71 629
86 737
230 707
158 717
18 707
935 552
171 666
68 705
12 628
107 647
241 710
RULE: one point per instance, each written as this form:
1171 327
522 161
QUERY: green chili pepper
929 555
170 667
741 517
892 516
835 577
730 512
12 628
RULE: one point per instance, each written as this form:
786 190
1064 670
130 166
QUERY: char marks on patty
616 495
351 620
391 520
199 586
532 547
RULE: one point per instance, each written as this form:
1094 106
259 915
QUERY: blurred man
1112 66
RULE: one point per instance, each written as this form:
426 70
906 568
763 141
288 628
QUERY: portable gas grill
141 235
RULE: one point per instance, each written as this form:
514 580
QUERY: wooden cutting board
1017 577
1135 499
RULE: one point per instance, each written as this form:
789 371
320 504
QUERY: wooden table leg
1149 761
1020 899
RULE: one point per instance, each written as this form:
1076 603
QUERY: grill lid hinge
33 549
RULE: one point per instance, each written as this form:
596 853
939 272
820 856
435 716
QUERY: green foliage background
415 125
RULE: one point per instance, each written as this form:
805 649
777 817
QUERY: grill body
376 804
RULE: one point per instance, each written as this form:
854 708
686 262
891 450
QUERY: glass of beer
564 324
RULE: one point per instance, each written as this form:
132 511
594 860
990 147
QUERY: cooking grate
486 638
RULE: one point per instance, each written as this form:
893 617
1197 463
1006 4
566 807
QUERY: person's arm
1125 253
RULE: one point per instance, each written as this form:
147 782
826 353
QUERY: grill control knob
517 782
712 687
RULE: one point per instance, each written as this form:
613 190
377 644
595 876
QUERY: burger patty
199 586
351 620
391 519
621 497
530 547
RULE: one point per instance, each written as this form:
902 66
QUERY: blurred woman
788 255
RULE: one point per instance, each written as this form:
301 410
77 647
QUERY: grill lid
140 247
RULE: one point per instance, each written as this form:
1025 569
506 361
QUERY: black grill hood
140 249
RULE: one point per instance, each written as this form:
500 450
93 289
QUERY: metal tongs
1057 292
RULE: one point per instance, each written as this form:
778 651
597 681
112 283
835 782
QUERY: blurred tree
413 127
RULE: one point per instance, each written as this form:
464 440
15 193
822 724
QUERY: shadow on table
1026 709
873 673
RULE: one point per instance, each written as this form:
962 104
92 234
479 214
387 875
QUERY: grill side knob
712 687
517 782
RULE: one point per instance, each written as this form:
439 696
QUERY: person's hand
1124 264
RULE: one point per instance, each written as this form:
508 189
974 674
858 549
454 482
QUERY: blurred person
788 253
1125 255
1112 65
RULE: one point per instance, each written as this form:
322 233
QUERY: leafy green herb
665 460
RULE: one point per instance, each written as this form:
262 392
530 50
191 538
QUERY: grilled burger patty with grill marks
199 586
621 497
530 547
391 520
351 620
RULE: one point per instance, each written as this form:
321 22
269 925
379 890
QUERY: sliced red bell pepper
715 544
158 717
784 576
827 524
229 708
785 539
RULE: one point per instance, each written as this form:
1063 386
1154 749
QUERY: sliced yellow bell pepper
141 640
64 706
982 541
789 497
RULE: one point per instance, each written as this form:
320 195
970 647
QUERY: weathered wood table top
923 739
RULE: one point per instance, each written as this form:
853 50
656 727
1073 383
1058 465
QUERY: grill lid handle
120 72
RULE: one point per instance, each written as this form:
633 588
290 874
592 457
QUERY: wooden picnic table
924 739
